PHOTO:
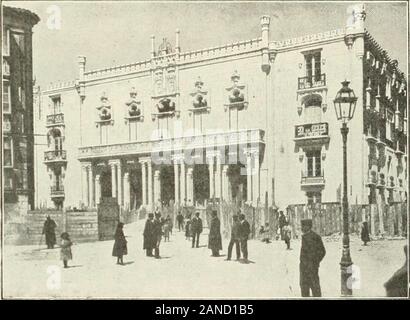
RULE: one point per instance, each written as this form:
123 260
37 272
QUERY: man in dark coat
157 233
244 231
214 238
234 239
49 231
364 234
180 221
282 223
196 229
397 285
149 242
312 253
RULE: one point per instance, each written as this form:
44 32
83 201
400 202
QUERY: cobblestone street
189 273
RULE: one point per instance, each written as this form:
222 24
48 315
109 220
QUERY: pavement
183 272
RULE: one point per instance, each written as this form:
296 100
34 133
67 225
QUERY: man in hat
49 231
214 237
196 229
311 254
149 242
244 231
157 233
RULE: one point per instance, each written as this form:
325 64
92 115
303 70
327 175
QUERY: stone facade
251 121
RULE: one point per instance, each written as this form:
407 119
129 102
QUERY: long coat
235 230
65 253
149 240
49 231
196 225
365 232
214 238
120 244
244 230
312 253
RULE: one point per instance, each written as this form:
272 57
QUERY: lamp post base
346 279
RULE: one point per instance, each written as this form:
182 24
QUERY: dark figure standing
287 235
364 234
196 229
157 234
397 285
234 239
65 252
282 223
188 228
50 233
120 244
312 253
244 231
180 221
149 242
214 238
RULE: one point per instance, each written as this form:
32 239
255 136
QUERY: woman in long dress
120 244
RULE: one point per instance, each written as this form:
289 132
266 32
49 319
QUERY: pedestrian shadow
246 262
74 266
127 263
162 257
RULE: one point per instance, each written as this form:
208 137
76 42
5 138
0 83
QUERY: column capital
178 157
190 170
251 151
144 160
97 177
157 173
86 165
114 162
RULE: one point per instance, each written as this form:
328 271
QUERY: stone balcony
306 83
55 156
57 192
312 179
244 138
313 133
55 120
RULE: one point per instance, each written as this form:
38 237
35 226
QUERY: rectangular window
8 179
56 104
19 39
6 98
314 197
314 167
6 42
389 126
6 68
8 152
313 66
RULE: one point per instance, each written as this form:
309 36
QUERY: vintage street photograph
204 150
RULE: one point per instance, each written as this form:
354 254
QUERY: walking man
180 221
149 235
50 233
234 239
157 234
196 228
312 253
244 231
282 223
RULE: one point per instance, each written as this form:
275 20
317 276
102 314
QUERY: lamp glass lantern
345 103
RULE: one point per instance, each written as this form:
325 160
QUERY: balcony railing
312 82
55 119
371 179
318 132
55 156
313 178
57 191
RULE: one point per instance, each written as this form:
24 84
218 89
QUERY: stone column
176 181
120 183
225 182
85 192
211 177
114 180
144 182
248 178
218 182
150 189
190 186
256 177
127 190
157 187
97 189
184 198
90 186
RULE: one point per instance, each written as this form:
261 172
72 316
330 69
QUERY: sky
112 33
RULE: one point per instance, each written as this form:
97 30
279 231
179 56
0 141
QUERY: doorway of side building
167 184
105 182
201 183
135 177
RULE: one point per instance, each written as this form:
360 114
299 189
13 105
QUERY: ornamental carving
164 48
104 110
165 105
199 97
236 93
133 104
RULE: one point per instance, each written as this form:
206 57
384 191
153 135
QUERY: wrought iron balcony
381 182
55 156
312 82
371 178
55 119
57 191
312 179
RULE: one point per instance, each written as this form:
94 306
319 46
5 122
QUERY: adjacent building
17 110
251 121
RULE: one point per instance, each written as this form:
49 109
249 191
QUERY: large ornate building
247 121
17 111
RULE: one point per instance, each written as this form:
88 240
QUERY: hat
306 223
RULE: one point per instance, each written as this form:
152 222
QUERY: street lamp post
345 104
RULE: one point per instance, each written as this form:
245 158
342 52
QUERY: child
65 252
265 233
120 244
287 234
